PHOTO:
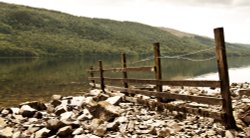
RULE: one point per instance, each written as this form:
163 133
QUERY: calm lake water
26 79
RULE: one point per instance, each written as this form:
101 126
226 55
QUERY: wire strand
182 56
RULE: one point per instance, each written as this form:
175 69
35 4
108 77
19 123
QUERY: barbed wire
182 56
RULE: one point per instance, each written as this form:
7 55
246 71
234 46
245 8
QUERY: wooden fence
223 83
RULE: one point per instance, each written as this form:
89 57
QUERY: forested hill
26 31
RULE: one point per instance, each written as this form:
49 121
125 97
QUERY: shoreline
97 114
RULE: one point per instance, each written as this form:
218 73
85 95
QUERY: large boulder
105 111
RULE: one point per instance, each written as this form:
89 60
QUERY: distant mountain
26 31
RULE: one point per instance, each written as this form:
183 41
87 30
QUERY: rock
244 92
27 111
131 126
65 131
66 115
163 133
123 128
105 111
2 122
38 115
56 97
54 124
16 134
6 132
245 100
211 133
229 134
5 112
56 103
100 130
95 92
42 133
86 115
35 105
122 119
114 100
78 131
77 101
59 110
15 110
113 126
89 101
101 97
247 131
95 123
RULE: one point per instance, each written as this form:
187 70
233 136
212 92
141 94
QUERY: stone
35 105
56 97
113 126
95 92
114 100
66 115
15 110
78 131
245 100
131 126
163 133
56 103
86 115
229 134
89 101
38 115
122 119
244 92
105 111
100 130
211 133
65 131
77 101
2 122
59 110
5 112
247 131
42 133
16 134
95 123
27 111
54 124
6 132
101 97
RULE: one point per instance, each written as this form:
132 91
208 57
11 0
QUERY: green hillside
26 31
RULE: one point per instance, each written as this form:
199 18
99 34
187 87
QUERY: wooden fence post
224 78
101 76
124 66
92 75
158 75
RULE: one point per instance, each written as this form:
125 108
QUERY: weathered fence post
157 60
124 66
92 75
101 76
224 78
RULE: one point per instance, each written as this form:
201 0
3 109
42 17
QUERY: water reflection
24 79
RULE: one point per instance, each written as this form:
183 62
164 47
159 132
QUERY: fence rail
223 83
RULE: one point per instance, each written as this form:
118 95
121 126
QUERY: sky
193 16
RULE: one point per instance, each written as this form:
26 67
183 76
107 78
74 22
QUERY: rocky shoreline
99 114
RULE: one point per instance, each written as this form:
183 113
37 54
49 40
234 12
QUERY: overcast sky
194 16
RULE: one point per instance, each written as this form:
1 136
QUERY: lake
26 79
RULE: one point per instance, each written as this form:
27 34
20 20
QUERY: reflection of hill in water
41 77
